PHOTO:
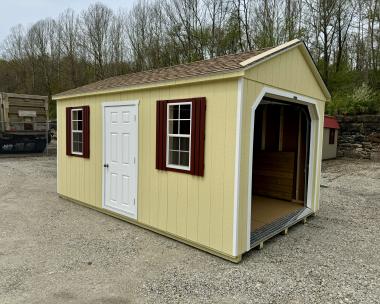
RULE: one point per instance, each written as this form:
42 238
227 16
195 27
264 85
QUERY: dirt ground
54 251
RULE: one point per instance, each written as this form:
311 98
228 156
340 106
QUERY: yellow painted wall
290 72
198 209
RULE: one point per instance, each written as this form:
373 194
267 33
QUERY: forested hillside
54 55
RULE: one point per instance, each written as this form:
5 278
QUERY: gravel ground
54 251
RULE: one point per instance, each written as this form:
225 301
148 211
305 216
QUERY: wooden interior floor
265 210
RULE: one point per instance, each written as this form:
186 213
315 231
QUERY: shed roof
197 68
218 65
331 122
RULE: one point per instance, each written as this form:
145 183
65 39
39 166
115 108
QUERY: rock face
359 136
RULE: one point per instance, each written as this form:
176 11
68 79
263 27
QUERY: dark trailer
23 123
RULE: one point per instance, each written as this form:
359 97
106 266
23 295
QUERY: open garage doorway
280 166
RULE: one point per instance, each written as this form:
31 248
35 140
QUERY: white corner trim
239 114
314 144
273 51
250 165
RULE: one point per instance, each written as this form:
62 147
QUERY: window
78 131
180 135
332 137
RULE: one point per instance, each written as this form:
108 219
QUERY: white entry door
120 159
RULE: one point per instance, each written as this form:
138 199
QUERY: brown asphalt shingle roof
215 65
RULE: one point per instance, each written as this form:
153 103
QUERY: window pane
80 127
184 159
173 157
75 146
77 137
185 111
80 145
184 144
75 115
80 115
185 127
173 143
75 125
173 112
173 127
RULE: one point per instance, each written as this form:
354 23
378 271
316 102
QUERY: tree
95 28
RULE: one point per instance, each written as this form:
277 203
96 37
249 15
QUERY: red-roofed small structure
330 137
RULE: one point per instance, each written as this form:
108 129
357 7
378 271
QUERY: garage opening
280 166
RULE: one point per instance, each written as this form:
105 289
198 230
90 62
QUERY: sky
26 12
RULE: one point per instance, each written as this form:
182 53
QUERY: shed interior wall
198 209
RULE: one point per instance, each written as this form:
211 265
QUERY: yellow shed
220 154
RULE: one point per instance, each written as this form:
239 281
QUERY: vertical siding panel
163 198
60 186
298 86
276 70
220 95
163 182
69 190
147 150
182 205
98 157
204 186
192 207
154 196
293 67
172 202
97 166
143 214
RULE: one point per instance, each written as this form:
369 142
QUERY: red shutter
198 136
86 132
161 135
68 131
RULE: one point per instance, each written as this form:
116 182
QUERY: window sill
187 171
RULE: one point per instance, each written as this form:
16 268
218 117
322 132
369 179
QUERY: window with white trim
178 145
77 131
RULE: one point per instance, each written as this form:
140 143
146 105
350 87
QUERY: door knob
105 165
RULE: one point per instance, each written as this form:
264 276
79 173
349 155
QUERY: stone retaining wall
359 136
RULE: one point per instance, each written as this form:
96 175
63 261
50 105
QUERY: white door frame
314 142
117 104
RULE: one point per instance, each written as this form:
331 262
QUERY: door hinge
134 201
135 117
134 159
